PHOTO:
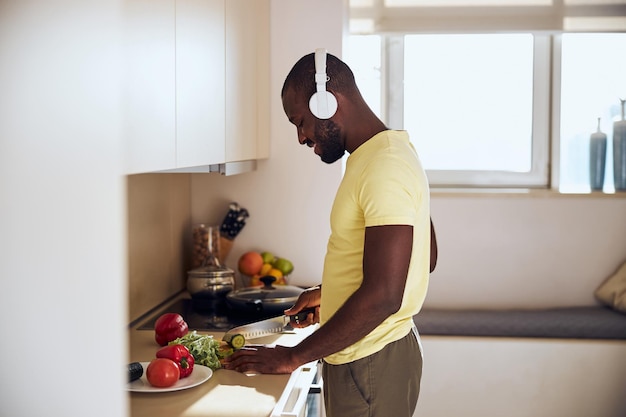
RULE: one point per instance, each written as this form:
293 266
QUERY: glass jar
205 244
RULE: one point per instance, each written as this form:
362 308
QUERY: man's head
326 136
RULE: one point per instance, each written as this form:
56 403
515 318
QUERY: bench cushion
571 323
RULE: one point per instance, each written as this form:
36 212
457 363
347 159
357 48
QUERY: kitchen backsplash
159 228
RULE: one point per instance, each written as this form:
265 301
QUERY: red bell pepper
168 327
180 355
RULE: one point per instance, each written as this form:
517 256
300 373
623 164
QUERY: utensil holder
226 245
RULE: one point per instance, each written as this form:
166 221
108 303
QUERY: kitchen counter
225 394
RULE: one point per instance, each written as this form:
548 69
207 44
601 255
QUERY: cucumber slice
236 341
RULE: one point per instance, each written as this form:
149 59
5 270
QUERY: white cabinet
197 84
200 90
149 100
247 79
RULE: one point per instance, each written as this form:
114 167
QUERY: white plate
199 375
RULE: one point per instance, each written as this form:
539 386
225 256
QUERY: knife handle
301 315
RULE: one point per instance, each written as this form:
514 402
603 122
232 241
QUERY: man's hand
309 298
261 359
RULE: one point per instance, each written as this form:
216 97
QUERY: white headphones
323 104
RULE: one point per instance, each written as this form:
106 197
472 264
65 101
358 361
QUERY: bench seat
593 322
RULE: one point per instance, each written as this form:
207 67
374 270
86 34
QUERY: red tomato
162 373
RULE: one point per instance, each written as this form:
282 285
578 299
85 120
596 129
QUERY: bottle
619 152
597 159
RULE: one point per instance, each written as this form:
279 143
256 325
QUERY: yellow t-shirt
383 184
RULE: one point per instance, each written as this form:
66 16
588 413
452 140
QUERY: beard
328 139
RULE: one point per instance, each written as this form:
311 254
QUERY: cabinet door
149 101
200 90
247 79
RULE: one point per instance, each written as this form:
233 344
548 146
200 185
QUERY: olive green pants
384 384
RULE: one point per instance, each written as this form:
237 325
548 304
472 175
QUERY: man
376 268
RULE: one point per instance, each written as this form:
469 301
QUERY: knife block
225 246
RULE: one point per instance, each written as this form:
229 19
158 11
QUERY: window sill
521 192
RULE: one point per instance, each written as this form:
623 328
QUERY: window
466 101
496 108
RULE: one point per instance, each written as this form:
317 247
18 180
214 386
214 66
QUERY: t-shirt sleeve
388 192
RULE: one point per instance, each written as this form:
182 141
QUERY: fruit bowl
253 265
255 280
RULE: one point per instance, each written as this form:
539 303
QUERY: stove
205 315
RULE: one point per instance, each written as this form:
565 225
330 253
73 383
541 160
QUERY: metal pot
267 299
210 282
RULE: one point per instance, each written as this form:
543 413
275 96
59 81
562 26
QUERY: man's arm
386 257
433 247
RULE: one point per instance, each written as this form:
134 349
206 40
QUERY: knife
267 327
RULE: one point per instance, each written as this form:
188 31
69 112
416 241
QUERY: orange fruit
276 273
250 263
265 269
255 281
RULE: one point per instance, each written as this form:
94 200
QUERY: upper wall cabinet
197 84
149 104
247 79
200 90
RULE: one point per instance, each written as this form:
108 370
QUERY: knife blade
267 327
259 328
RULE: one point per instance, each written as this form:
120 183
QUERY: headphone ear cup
323 105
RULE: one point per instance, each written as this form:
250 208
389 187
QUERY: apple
283 265
268 257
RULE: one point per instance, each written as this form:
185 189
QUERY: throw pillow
612 292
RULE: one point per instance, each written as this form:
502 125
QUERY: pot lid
268 293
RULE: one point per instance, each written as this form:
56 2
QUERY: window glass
364 57
468 100
593 79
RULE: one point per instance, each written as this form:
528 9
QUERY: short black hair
301 78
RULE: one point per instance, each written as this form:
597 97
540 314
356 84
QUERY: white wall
62 267
525 250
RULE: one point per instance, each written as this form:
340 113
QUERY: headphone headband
322 104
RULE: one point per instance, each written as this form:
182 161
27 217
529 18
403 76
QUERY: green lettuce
203 348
